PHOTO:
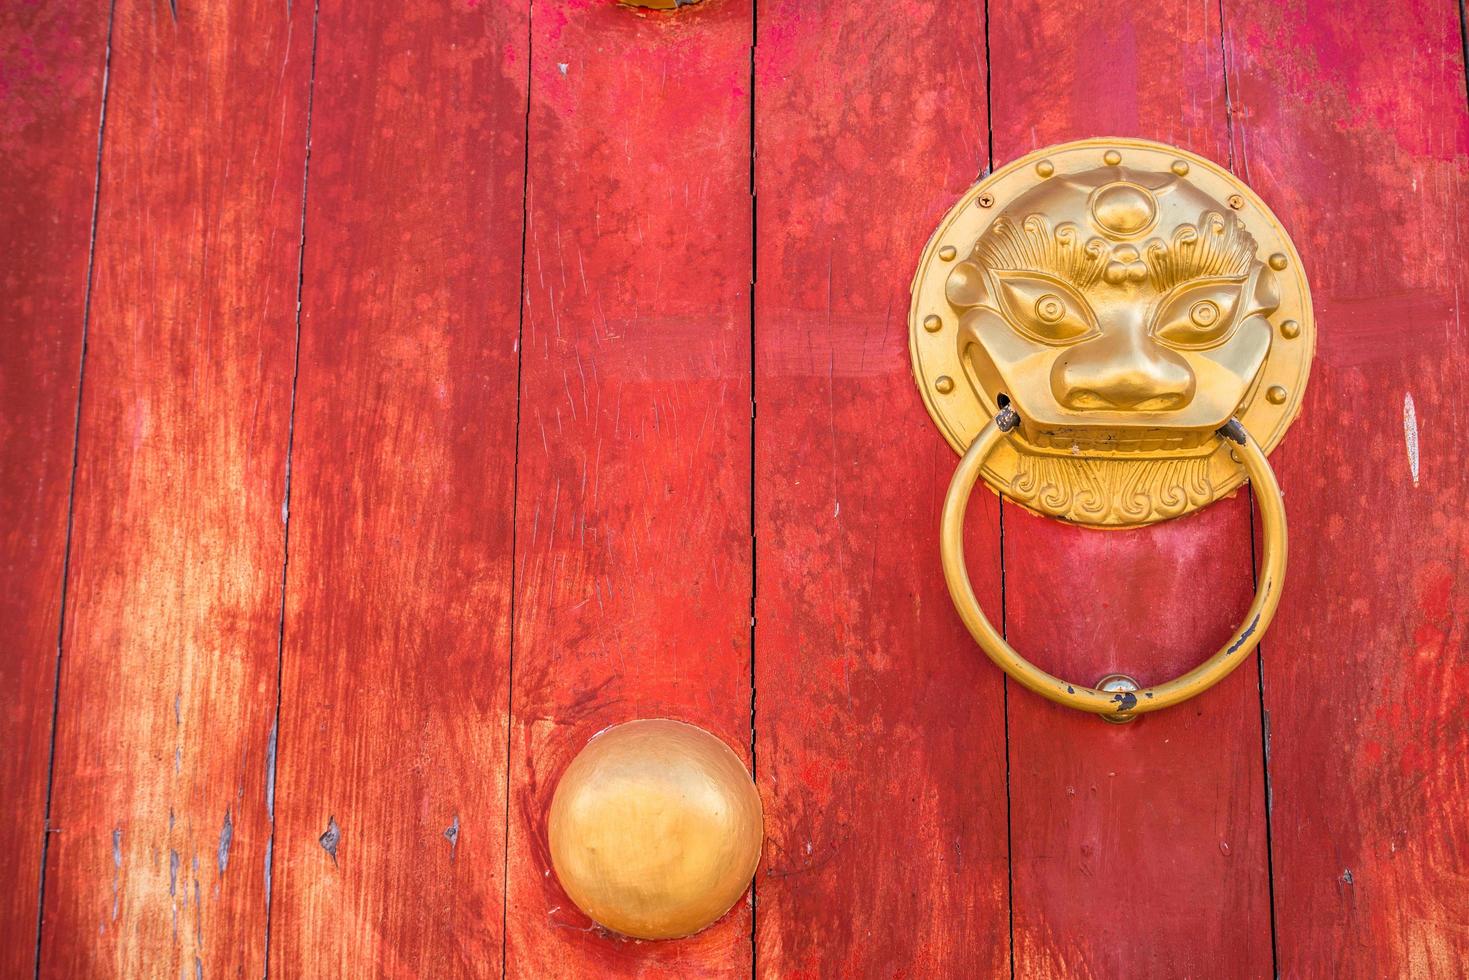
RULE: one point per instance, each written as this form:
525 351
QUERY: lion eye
1204 313
1044 309
1198 314
1050 308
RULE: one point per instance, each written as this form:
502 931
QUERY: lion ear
966 288
1265 294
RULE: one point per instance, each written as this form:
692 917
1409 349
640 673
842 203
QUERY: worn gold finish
658 4
1117 704
1115 684
1128 298
655 829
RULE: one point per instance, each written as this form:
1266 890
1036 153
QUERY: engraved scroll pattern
1112 491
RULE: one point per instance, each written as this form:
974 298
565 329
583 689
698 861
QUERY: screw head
1118 684
986 200
1236 201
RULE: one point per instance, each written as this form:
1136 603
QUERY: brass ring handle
1115 705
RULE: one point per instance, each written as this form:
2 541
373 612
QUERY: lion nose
1122 371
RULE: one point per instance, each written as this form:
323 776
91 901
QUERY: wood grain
633 544
160 823
1353 124
51 66
1138 849
391 782
879 725
528 232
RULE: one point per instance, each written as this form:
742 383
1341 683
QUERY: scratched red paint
1117 832
1354 125
397 632
906 795
160 818
880 753
633 567
50 95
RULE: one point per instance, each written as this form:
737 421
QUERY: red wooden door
393 396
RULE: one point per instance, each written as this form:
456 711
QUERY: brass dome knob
655 829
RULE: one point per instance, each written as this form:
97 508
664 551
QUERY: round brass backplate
655 829
1106 239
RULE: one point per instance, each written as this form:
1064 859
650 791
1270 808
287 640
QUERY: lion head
1123 312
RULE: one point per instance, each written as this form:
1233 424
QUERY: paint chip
1410 434
331 838
270 771
451 834
117 873
226 836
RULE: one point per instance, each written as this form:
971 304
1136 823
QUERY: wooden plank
880 741
1138 849
391 782
633 547
159 821
1354 126
51 68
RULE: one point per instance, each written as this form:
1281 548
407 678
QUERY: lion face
1120 310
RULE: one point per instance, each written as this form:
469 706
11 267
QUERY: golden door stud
655 829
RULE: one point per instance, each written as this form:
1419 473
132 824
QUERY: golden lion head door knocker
1112 332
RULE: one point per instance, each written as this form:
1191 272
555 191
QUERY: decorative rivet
1180 167
1045 168
986 200
1111 158
1124 209
1290 329
1236 201
932 323
1277 261
944 384
1275 395
655 829
1119 684
947 253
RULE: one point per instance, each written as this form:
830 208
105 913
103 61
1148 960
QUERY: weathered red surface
397 630
1352 121
159 820
620 541
633 543
1137 849
51 61
879 727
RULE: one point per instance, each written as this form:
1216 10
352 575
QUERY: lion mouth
1076 441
